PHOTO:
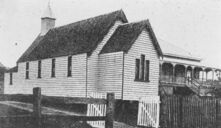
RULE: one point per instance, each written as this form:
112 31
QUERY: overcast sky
192 25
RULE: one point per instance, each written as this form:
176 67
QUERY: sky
192 25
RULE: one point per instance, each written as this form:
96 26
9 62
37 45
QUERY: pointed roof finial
48 12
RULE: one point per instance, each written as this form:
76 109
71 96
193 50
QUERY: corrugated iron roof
172 50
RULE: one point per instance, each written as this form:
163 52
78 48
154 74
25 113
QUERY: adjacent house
103 54
182 73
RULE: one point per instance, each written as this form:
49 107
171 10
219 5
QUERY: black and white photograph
110 63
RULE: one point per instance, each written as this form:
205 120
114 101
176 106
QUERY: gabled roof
14 69
170 50
126 34
75 38
35 43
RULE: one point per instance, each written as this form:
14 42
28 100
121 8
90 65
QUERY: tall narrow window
142 67
137 69
53 68
11 77
27 71
69 65
147 70
39 69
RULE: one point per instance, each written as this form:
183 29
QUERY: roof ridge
90 18
135 22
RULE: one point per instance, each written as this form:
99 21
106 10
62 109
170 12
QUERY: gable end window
69 66
142 69
11 77
147 70
27 71
53 68
137 69
39 69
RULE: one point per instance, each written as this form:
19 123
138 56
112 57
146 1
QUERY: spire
47 20
48 12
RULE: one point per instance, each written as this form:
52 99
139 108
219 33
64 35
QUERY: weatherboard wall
92 63
60 85
110 73
133 90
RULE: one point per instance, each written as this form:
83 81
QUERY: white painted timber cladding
133 90
92 80
110 73
61 85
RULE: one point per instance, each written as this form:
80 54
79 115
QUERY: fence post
109 122
217 113
181 111
37 106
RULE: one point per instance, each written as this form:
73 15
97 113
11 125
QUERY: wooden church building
100 54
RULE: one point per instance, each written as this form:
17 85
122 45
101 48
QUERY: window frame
39 68
53 63
142 69
137 69
11 78
147 71
27 70
69 66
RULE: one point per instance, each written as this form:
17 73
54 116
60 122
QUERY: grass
6 111
50 123
125 112
29 122
77 108
11 117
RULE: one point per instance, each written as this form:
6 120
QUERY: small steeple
48 12
47 20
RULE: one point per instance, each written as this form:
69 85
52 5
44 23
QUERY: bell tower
47 20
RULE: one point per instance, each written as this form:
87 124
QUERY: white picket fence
97 110
149 111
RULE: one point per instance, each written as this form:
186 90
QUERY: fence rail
37 99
